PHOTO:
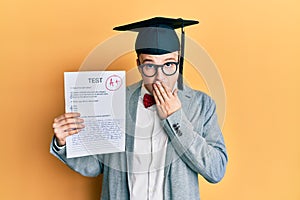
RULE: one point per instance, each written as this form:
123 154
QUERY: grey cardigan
196 146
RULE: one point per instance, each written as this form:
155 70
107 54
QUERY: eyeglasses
150 70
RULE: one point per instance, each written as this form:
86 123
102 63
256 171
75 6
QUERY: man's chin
149 87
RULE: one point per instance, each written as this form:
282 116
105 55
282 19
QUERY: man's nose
160 74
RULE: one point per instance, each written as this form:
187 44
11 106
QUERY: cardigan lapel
185 97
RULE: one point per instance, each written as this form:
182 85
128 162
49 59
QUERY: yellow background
255 45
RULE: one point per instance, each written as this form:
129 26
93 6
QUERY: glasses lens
149 69
170 68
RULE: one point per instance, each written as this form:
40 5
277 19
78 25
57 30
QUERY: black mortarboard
157 36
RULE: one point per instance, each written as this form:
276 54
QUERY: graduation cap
157 36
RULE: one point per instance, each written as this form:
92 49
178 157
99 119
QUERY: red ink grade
113 83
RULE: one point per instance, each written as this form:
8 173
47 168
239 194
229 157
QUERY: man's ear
138 63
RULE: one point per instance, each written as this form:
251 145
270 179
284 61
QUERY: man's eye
150 65
169 64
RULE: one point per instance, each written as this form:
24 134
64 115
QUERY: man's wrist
56 146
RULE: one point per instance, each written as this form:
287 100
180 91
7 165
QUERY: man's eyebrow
170 59
147 60
165 60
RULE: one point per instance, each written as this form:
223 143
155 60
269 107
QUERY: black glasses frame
159 66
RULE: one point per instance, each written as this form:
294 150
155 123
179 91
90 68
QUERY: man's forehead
174 54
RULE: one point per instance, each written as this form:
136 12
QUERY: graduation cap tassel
180 78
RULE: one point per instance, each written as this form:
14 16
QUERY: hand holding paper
66 125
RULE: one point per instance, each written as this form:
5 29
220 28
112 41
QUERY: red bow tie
148 100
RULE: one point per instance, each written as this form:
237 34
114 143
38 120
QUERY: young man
172 133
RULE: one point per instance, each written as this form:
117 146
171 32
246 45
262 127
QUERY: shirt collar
144 90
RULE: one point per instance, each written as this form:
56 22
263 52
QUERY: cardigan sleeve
202 149
87 165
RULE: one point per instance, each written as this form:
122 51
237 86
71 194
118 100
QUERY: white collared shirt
150 143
